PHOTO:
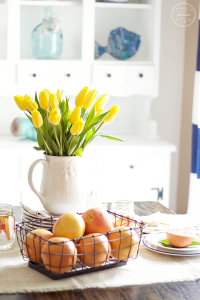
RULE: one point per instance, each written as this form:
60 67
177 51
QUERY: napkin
161 222
36 209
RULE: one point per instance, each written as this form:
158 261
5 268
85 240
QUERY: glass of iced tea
7 226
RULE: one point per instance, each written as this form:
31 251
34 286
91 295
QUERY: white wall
166 109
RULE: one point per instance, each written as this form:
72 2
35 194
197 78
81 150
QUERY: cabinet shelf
123 5
50 3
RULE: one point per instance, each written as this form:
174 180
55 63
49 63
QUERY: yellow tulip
44 99
48 91
53 101
77 127
99 112
101 102
112 114
81 96
37 118
19 100
75 115
70 108
54 117
90 99
30 103
58 94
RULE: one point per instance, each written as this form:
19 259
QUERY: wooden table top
161 291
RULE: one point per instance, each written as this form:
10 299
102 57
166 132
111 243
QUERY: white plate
168 252
153 239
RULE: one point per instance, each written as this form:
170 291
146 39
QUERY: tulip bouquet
62 131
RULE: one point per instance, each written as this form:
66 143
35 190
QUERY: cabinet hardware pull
109 75
34 75
160 193
131 166
141 75
68 75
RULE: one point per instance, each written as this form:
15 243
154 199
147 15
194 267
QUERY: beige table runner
148 268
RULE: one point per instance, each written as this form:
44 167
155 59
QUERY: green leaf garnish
165 243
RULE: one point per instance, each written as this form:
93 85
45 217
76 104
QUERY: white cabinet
34 74
108 76
111 172
67 75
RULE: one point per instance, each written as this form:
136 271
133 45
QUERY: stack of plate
33 221
151 241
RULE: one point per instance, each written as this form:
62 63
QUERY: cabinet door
132 177
34 74
140 79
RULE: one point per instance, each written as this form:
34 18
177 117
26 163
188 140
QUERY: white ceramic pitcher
62 187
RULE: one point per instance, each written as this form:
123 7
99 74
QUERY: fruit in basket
124 222
124 242
179 237
93 249
97 221
69 225
59 255
33 243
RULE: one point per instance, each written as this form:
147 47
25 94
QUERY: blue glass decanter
47 37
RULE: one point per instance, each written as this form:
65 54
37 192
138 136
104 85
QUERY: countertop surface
135 142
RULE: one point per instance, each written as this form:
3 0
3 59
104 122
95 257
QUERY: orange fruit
59 255
34 242
179 237
124 242
97 220
93 249
69 225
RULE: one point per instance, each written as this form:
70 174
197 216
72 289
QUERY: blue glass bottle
47 37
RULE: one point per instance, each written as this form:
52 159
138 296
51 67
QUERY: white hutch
139 168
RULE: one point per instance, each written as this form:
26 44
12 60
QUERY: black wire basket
88 254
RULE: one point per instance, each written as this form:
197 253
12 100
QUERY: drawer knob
131 166
141 75
68 75
34 75
109 75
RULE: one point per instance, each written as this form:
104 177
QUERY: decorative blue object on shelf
22 127
122 44
47 37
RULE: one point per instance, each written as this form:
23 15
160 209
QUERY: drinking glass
7 227
123 207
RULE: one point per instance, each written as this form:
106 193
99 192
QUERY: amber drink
7 227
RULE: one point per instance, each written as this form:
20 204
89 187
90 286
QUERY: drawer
108 76
66 75
6 74
35 74
140 168
125 191
140 79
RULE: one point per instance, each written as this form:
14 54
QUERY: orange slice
7 231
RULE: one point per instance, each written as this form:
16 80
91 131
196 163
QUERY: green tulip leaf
90 116
79 152
52 145
99 118
109 137
39 148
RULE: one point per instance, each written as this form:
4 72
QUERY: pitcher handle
30 177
